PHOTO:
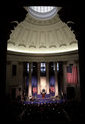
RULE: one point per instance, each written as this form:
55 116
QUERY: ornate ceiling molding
12 56
36 36
33 21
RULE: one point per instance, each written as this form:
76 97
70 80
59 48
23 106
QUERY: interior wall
66 85
14 81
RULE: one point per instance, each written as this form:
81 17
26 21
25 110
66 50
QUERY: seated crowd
65 112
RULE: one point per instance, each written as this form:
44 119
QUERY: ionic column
38 70
56 80
47 77
30 81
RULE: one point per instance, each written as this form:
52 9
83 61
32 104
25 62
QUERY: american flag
72 74
52 89
34 89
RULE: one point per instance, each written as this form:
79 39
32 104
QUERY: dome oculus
43 12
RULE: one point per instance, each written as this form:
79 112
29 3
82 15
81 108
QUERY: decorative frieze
70 56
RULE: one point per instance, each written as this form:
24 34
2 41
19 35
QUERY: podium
43 93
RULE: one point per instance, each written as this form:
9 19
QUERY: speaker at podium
43 93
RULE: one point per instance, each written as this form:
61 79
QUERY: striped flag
52 89
34 89
72 74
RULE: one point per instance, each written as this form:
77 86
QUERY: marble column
64 78
47 76
30 81
56 80
38 70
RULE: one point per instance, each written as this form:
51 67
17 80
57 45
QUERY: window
43 67
57 66
27 67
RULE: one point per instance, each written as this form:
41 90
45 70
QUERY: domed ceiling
40 36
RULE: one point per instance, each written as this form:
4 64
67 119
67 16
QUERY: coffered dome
42 36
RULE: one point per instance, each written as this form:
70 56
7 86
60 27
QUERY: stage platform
44 101
48 98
